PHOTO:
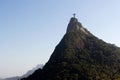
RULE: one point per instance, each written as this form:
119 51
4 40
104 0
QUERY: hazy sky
30 29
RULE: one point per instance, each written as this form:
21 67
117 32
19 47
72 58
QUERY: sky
30 29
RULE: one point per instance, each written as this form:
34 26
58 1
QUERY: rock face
74 24
80 56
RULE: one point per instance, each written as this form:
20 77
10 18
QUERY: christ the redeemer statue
74 15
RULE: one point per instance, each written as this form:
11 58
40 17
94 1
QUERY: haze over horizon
30 29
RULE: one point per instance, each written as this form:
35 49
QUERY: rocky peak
72 24
75 25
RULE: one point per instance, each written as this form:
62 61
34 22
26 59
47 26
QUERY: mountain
80 56
32 71
1 79
12 78
25 75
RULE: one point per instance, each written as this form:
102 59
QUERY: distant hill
80 56
31 71
12 78
1 79
25 75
